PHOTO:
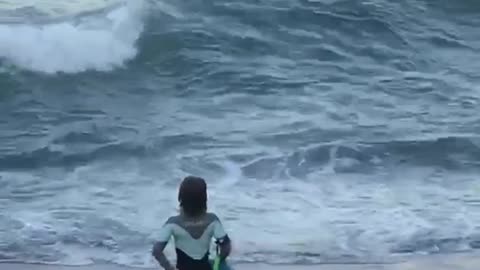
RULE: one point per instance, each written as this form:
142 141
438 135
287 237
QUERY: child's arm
157 251
225 247
222 240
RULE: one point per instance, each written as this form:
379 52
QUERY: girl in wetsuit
192 230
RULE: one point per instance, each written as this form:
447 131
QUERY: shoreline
456 261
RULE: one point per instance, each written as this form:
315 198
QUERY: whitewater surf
42 11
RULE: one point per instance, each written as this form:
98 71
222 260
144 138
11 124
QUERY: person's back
192 230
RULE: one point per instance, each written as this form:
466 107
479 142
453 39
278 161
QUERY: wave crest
99 43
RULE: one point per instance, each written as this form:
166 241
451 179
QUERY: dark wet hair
192 196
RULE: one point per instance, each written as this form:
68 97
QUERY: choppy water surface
328 131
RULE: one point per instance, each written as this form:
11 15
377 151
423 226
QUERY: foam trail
100 44
234 175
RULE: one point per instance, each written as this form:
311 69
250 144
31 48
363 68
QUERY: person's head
192 196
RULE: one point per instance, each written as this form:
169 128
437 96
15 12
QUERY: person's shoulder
173 220
212 217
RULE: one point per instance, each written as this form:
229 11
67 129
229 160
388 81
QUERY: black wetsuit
192 239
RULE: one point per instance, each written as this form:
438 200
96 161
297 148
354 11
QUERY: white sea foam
121 208
100 42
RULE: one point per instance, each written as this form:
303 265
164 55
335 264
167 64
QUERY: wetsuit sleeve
222 239
164 236
218 230
165 233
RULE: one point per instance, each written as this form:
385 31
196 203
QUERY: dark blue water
329 131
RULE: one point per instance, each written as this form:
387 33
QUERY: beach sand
463 261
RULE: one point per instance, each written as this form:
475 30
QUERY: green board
217 265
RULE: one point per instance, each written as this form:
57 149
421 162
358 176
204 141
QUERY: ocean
328 131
